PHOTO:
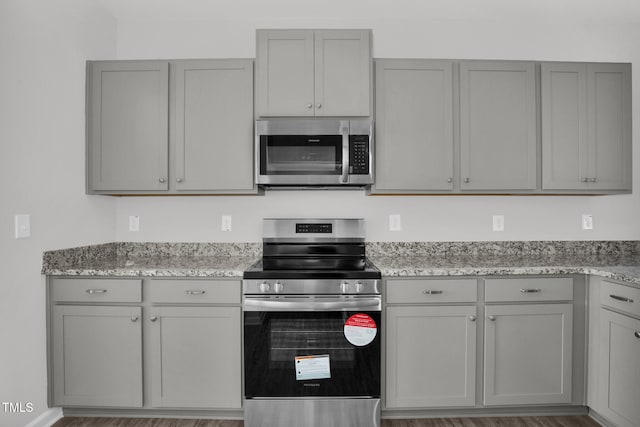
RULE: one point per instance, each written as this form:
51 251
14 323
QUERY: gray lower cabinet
618 376
195 357
97 356
528 354
586 126
170 127
430 343
497 125
183 337
414 126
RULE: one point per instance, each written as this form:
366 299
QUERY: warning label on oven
312 367
360 329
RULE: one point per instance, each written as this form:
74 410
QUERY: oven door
311 353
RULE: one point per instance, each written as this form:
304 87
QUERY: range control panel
314 228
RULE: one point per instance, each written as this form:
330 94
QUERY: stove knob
278 287
359 287
264 287
344 287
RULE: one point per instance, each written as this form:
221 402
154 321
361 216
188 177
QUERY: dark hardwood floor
568 421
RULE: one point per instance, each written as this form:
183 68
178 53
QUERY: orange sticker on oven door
360 329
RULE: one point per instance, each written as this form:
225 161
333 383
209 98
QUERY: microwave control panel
359 154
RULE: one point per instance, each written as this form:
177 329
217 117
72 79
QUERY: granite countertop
618 260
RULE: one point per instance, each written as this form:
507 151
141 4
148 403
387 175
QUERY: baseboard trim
47 418
523 411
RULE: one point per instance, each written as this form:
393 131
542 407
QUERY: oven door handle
370 304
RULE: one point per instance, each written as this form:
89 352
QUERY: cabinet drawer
431 291
528 289
97 290
195 291
620 297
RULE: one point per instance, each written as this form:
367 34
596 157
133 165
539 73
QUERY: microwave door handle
344 178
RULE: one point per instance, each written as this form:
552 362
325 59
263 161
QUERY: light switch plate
23 226
587 222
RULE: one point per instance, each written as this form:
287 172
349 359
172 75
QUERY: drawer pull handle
429 292
96 291
153 318
530 291
637 334
472 318
194 292
619 298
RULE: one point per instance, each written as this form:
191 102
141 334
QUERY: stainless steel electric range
312 318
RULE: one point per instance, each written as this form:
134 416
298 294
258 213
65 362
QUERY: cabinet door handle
449 180
530 291
96 291
619 298
637 334
592 179
466 180
178 180
472 318
194 292
492 318
585 180
134 318
309 106
161 180
430 292
153 318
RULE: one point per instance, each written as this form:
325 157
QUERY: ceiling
596 11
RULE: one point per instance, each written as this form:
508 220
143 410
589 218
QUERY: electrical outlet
23 226
225 224
395 223
587 222
498 223
134 223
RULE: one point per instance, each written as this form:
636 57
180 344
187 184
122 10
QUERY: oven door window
298 354
300 155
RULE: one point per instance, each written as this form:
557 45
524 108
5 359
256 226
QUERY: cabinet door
195 357
431 356
564 126
128 136
497 125
342 72
214 126
528 354
619 375
97 356
414 126
610 126
285 67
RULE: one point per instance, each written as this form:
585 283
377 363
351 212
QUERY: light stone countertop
619 260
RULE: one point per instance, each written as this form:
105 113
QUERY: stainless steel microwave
314 152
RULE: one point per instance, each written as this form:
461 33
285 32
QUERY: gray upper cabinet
313 73
213 149
414 126
497 126
127 125
170 127
586 126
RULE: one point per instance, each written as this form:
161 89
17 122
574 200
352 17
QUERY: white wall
43 48
401 29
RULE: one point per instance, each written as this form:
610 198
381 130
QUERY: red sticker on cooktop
360 329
